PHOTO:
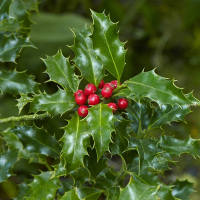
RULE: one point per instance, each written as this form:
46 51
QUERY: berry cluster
89 96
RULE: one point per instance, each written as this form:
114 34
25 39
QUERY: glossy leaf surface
4 9
85 59
70 195
37 140
101 124
11 47
14 82
75 143
22 101
88 193
107 46
57 103
24 191
61 71
157 88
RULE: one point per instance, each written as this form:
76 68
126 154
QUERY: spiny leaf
37 140
194 100
9 24
113 193
107 46
101 124
60 169
94 166
182 189
57 103
136 190
22 101
44 186
85 58
61 71
75 142
70 195
24 191
88 193
4 9
174 147
14 82
7 161
11 46
157 88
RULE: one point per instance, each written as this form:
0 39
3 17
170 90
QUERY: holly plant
102 121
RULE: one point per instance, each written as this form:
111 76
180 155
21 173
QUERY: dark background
161 34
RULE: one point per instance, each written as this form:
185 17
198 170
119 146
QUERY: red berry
122 103
78 92
83 111
114 83
101 84
93 99
90 89
106 92
113 106
80 99
109 85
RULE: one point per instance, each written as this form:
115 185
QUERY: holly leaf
106 44
57 103
113 193
9 25
37 140
22 101
175 147
194 100
94 166
85 59
7 161
70 195
24 191
75 142
101 124
14 82
61 71
88 193
44 186
4 9
182 189
136 190
11 46
60 169
157 88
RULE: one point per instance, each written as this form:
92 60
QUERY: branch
24 118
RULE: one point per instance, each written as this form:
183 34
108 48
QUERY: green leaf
101 124
4 9
94 166
9 24
11 46
22 101
88 193
136 190
157 88
61 71
37 140
113 193
14 82
57 103
7 161
165 192
60 169
85 58
24 191
70 195
44 186
75 142
120 138
194 100
175 147
182 189
107 46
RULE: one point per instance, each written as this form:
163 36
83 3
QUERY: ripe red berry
122 103
113 106
90 89
106 92
109 85
78 92
83 111
93 99
101 84
114 83
80 99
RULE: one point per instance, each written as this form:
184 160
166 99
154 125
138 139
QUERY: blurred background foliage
161 34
